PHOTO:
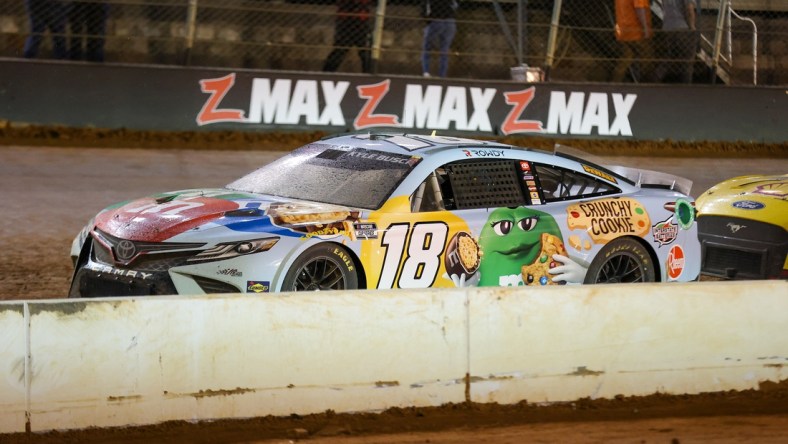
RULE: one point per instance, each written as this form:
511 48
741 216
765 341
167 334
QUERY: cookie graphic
607 219
314 219
462 255
537 272
295 214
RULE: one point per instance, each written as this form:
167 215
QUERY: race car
381 211
743 228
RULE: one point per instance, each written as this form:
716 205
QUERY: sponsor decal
230 272
462 255
598 173
525 166
518 245
684 211
371 155
258 286
345 258
325 231
155 220
778 189
366 230
607 219
748 205
484 153
675 262
282 101
665 232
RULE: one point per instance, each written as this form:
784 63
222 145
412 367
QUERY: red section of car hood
156 220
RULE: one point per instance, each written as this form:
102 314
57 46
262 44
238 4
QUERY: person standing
88 21
46 15
679 42
352 28
439 33
633 32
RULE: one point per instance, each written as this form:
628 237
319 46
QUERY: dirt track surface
53 180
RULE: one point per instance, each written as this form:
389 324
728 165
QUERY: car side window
470 184
559 184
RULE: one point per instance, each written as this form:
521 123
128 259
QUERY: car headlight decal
229 250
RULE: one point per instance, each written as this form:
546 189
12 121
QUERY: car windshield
340 175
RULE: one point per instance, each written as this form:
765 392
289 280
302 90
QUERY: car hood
188 214
756 197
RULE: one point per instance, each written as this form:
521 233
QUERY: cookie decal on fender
607 219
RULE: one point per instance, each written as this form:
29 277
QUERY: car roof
432 145
406 143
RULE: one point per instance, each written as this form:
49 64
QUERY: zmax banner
179 98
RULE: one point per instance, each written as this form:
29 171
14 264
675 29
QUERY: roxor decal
285 101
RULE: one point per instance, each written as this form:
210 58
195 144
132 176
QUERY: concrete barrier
115 362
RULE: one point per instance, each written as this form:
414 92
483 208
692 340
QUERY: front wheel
320 268
622 260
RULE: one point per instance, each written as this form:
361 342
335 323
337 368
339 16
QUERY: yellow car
743 228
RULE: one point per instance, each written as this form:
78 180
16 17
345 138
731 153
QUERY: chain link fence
736 42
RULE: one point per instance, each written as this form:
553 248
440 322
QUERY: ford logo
748 205
125 250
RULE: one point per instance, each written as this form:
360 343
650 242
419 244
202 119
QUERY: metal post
718 39
754 45
519 32
191 26
377 35
552 38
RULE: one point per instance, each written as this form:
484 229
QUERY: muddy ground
31 135
31 268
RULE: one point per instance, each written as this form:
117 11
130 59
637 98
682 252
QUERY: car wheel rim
621 268
319 274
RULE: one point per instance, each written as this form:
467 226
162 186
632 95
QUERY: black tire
622 260
321 268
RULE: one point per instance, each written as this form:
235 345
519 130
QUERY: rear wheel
622 260
321 268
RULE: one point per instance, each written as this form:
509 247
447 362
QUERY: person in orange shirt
633 32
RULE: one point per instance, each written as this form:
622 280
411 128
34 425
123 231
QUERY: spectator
439 33
352 28
633 32
46 15
679 42
88 22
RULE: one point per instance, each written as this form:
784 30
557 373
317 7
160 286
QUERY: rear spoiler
654 179
639 177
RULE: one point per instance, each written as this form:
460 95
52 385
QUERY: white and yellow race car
381 211
743 228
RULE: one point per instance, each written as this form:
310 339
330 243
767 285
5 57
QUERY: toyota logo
125 250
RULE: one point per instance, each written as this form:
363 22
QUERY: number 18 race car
396 211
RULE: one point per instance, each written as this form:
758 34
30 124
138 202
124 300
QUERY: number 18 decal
421 246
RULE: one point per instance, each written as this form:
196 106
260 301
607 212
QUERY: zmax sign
284 101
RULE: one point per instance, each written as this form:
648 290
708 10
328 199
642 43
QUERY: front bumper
97 276
736 248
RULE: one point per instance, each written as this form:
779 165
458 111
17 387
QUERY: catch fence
735 42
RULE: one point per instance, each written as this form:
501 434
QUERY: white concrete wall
13 350
114 362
